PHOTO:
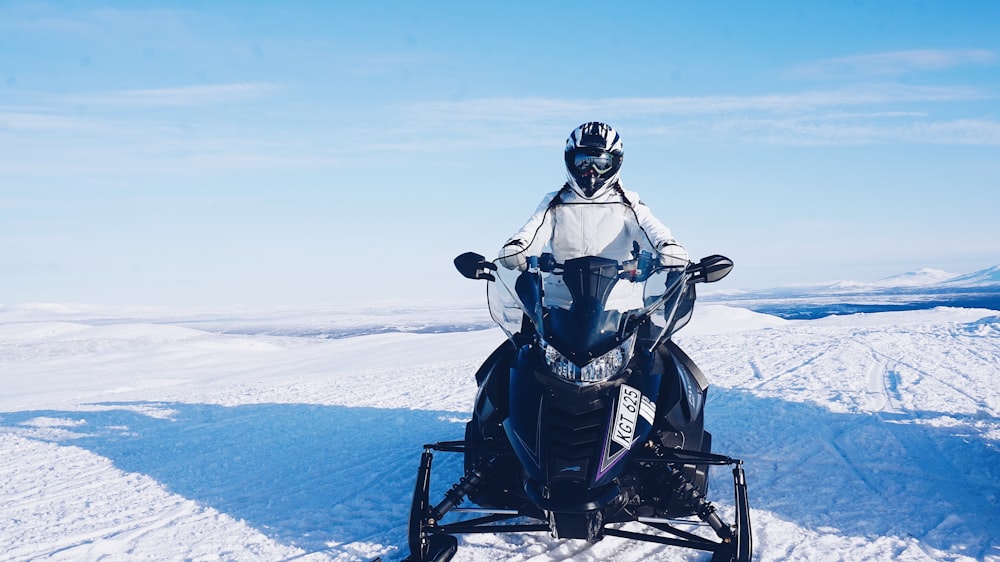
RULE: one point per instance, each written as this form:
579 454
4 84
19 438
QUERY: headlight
600 369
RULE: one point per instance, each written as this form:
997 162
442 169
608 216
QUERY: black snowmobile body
577 439
588 416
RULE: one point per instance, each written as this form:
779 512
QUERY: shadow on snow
305 475
315 476
864 475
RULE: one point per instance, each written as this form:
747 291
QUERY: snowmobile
588 420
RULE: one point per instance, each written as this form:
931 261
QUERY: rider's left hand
673 254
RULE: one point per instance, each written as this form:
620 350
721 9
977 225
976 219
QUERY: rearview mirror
474 266
710 269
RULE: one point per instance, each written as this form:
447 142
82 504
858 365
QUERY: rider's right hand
512 256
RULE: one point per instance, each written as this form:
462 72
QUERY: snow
927 279
924 276
294 434
989 276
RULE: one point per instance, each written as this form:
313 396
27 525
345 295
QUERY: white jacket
570 226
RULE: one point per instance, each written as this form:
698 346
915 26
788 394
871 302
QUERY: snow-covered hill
920 277
921 289
925 277
141 434
985 277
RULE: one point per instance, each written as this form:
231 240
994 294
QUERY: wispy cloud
212 94
391 63
34 120
840 130
535 109
39 17
894 63
884 113
121 114
33 136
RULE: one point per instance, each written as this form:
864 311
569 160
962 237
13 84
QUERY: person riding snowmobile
588 415
589 222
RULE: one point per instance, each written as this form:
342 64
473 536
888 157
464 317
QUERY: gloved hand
512 256
673 254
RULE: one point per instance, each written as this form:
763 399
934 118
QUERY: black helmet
593 158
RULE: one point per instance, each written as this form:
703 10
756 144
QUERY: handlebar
640 268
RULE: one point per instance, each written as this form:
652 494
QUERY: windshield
585 301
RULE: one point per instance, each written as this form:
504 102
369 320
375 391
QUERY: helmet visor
601 162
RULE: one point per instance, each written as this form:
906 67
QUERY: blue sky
251 153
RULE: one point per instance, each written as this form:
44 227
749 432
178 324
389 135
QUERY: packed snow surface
143 434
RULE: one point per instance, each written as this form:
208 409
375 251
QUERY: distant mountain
925 278
918 278
921 289
984 277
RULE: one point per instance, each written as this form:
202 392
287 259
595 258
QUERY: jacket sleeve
537 230
657 232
